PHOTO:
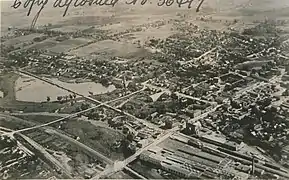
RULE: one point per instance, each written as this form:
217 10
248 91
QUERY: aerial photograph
144 89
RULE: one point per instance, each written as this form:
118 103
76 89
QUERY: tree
84 106
130 137
104 82
160 107
77 109
59 98
169 124
125 130
285 93
132 86
48 98
174 96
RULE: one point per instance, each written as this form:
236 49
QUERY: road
52 122
135 173
123 103
5 129
193 98
38 113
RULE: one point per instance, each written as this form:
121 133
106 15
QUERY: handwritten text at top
66 4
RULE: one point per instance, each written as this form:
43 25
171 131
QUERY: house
142 135
89 173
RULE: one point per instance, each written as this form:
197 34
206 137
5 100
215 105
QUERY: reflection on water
34 90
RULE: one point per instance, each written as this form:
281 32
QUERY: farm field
22 39
110 47
66 45
69 29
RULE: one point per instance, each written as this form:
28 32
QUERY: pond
34 90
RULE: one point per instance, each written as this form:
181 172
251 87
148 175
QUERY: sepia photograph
144 89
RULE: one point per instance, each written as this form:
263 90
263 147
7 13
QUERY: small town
107 101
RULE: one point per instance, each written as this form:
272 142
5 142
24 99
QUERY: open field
9 123
98 138
66 45
162 33
22 39
113 48
38 118
69 29
46 44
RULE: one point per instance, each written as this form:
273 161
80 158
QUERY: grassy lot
110 47
66 45
21 39
98 138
